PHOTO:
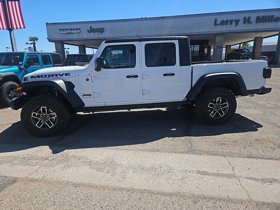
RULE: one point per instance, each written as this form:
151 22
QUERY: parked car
15 65
137 73
238 54
264 57
77 59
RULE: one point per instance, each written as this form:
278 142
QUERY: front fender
9 77
65 88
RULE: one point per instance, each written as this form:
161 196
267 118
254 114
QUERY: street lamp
7 49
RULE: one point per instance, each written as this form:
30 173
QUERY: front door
119 82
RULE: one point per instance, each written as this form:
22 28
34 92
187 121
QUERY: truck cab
15 65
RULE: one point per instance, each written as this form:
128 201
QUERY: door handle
131 76
169 74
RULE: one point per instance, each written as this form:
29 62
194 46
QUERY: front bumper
18 102
261 91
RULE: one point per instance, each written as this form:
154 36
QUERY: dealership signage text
248 20
96 30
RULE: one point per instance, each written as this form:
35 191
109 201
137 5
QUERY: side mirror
99 64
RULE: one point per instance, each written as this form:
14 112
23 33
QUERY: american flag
14 15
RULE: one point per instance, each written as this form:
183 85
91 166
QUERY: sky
38 12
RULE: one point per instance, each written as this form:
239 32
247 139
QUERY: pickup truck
14 65
137 73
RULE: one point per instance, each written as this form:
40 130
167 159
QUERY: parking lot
152 159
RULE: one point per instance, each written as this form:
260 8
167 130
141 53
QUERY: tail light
267 72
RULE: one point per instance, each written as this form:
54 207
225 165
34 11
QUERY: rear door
164 80
119 81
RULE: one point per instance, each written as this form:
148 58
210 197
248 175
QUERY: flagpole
10 29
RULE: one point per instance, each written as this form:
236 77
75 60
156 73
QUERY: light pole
7 49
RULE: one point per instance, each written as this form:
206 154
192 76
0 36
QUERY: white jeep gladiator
137 73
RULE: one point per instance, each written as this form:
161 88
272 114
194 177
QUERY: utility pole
11 31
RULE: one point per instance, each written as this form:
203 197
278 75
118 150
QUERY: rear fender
230 80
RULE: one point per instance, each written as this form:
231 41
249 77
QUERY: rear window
46 60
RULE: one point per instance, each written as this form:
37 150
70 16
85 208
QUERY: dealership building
210 34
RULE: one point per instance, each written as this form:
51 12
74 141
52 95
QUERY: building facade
208 33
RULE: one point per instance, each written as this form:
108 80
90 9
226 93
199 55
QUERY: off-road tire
5 93
56 115
208 104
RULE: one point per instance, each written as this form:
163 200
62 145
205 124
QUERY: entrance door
119 82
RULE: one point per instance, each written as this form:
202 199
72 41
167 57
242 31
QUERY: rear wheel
45 116
7 93
216 106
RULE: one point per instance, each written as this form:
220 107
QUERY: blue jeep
14 65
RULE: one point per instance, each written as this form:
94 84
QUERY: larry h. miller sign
266 19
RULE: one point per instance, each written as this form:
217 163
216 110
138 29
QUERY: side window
119 56
56 59
46 59
160 54
33 60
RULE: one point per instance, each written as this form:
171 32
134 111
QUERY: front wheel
45 116
7 93
216 106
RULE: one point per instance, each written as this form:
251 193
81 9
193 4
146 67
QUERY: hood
55 73
8 69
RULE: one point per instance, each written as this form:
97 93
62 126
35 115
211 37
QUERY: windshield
79 58
11 59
